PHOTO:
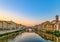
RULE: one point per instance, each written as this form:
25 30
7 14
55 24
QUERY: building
1 25
8 25
57 19
39 27
12 25
49 26
5 25
56 23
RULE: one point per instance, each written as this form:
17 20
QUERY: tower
57 18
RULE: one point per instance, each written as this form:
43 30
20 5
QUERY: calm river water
30 37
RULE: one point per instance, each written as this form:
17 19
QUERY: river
30 37
25 37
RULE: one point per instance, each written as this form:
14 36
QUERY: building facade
51 26
8 25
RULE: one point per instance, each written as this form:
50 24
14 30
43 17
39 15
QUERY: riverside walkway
6 31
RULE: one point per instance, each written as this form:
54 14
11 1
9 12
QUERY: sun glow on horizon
19 21
10 16
23 22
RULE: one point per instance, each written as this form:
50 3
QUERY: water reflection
8 38
49 37
30 37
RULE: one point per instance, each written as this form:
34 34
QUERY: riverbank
56 33
7 33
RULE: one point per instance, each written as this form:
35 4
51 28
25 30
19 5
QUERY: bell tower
57 18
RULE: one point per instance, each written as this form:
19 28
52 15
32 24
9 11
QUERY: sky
29 12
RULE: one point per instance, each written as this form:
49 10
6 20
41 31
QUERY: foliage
56 33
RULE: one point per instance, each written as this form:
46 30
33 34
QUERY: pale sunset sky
29 12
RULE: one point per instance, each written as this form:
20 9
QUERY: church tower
57 18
